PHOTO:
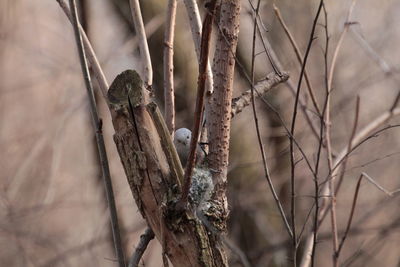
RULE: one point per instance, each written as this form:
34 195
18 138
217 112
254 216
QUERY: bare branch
169 98
277 64
299 57
357 140
353 206
328 134
195 26
144 49
262 87
292 130
198 115
353 133
372 181
261 145
320 145
145 239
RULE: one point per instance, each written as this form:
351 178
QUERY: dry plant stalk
196 29
328 137
299 57
144 48
168 61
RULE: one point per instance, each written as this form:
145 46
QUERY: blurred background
53 210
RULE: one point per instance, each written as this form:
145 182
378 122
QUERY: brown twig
328 134
320 145
198 115
145 239
362 136
292 130
299 57
353 133
261 145
275 62
379 187
97 124
353 206
195 26
169 99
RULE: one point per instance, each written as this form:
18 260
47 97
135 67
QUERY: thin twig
292 130
395 103
359 138
145 239
144 48
248 79
328 136
195 26
198 115
169 99
371 52
278 66
320 144
97 124
90 54
261 145
353 133
389 193
353 207
267 49
299 57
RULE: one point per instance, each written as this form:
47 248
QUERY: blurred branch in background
97 126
